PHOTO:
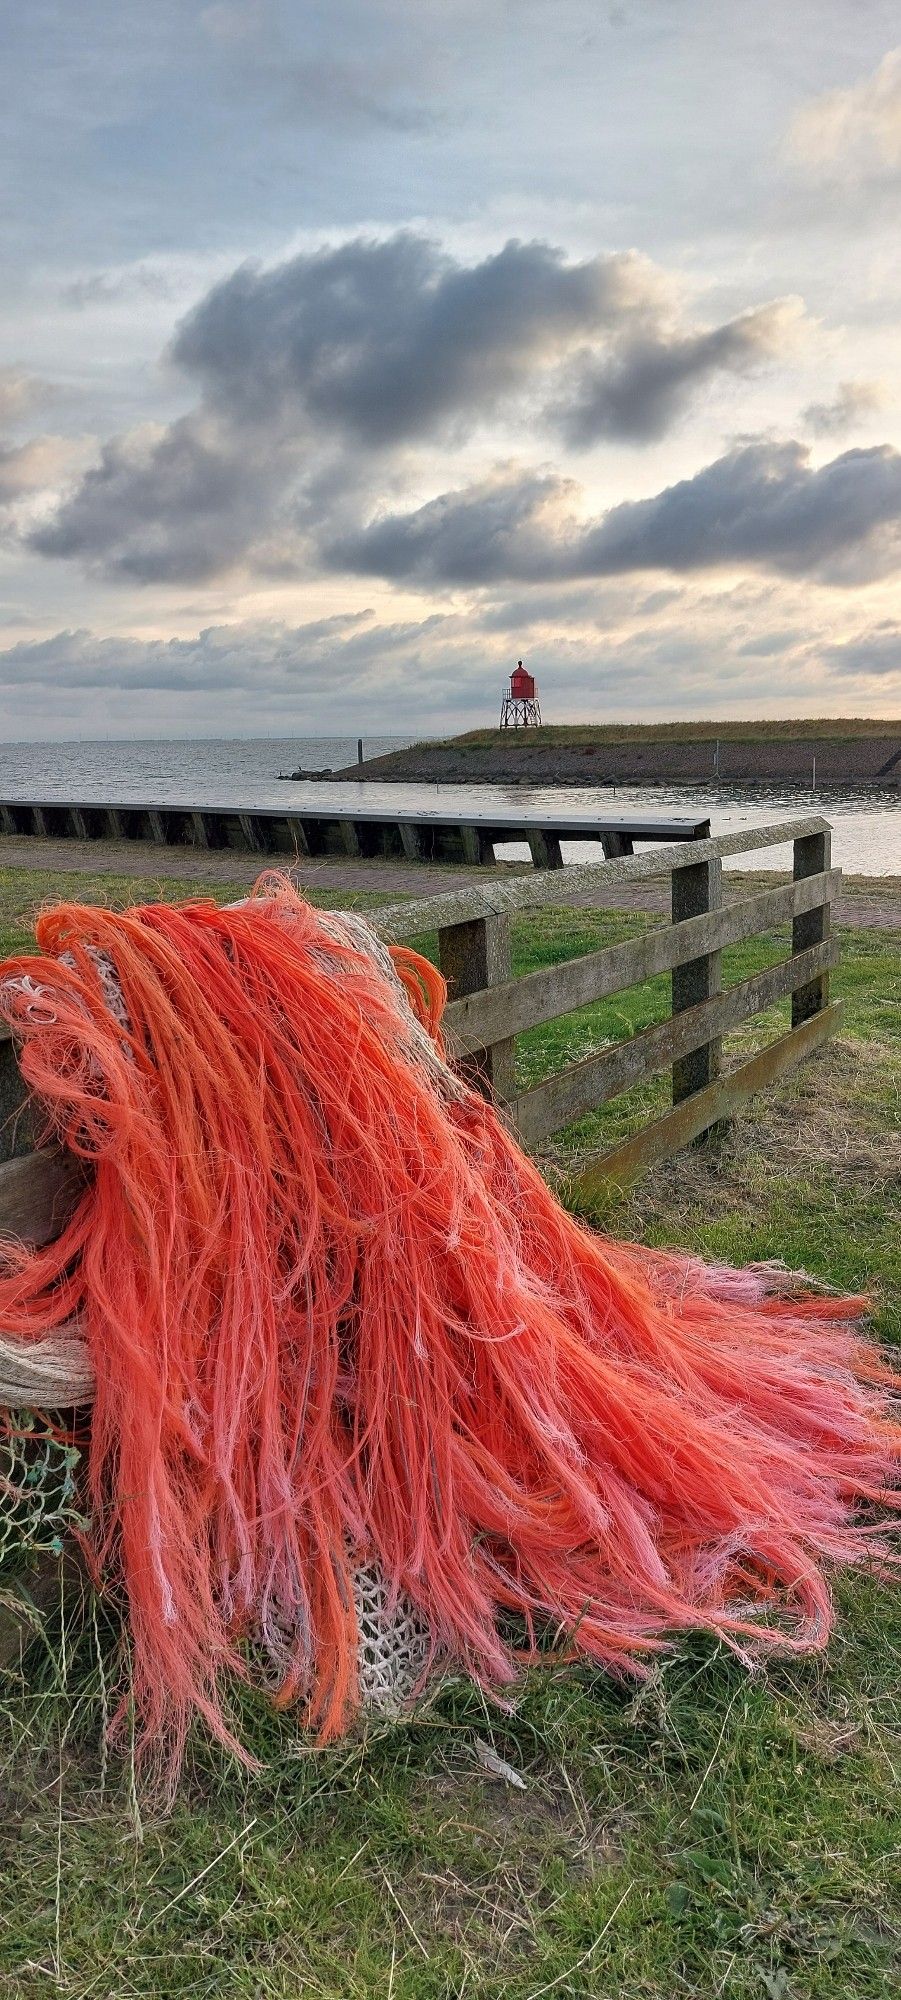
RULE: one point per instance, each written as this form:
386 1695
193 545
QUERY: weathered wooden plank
532 892
298 833
476 1020
350 839
251 834
473 956
544 847
720 1100
38 1193
695 892
583 1086
812 856
157 828
409 840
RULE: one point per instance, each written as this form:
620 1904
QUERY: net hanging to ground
355 1372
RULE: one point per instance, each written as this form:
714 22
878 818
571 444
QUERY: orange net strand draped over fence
336 1319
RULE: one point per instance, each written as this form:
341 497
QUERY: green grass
24 890
802 729
714 1833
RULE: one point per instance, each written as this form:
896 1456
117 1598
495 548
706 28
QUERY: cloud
217 659
851 402
506 528
643 387
166 505
608 645
41 464
852 135
21 394
762 504
318 377
875 654
391 342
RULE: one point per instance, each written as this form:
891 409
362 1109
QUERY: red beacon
519 702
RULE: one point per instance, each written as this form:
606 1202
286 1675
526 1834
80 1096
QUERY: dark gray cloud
389 342
504 529
852 402
319 376
640 390
762 504
363 349
173 506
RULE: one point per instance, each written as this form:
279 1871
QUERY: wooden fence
489 1007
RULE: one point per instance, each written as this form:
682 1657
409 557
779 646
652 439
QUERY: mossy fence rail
488 1007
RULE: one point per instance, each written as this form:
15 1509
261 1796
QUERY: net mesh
40 1495
39 1488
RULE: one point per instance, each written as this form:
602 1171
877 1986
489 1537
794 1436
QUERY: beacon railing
489 1007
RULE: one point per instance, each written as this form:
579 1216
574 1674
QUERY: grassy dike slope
855 752
710 1832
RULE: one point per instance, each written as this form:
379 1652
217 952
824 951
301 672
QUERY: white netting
395 1647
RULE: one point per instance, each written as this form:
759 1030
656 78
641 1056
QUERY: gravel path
864 901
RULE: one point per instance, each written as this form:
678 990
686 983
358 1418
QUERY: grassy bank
803 729
712 1833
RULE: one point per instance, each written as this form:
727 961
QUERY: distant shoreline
860 755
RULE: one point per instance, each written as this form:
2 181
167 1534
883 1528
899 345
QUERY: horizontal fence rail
488 1007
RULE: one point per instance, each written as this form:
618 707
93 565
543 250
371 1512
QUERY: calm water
867 825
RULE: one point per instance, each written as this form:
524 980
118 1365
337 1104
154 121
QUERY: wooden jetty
353 829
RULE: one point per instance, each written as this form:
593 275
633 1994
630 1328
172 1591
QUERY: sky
351 351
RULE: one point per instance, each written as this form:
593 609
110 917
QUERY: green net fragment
40 1495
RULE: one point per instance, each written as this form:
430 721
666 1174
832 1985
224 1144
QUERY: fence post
696 890
471 956
812 856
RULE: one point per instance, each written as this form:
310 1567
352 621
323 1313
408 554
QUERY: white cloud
854 134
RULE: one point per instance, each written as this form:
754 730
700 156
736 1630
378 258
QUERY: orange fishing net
337 1319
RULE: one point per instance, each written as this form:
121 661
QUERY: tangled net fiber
338 1324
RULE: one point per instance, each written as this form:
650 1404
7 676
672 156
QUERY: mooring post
545 848
695 892
812 856
359 749
472 956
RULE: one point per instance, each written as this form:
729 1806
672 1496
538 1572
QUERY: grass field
802 729
708 1833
